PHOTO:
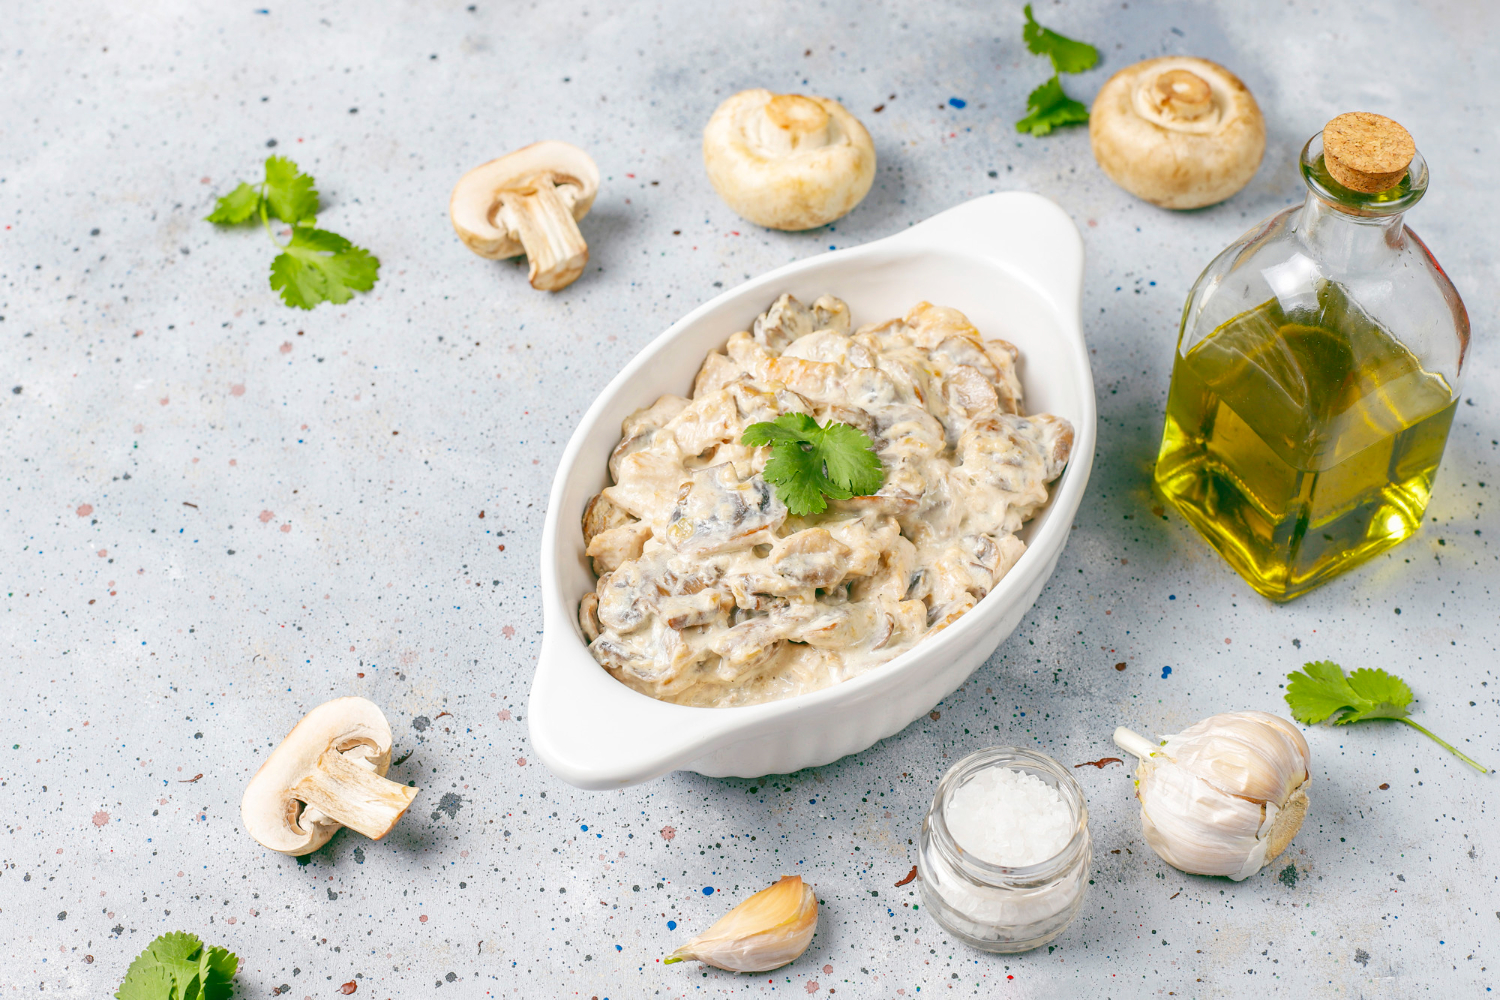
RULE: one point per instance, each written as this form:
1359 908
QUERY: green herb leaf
290 194
809 463
851 462
1051 108
1321 691
235 207
1067 55
176 966
319 266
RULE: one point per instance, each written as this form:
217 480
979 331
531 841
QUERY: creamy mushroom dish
712 594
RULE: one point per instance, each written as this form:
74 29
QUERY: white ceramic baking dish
1013 263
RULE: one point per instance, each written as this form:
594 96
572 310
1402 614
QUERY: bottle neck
1347 241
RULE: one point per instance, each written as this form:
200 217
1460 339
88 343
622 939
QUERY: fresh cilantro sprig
809 463
1049 107
177 966
1321 690
315 265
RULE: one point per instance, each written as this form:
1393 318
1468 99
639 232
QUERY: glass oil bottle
1317 372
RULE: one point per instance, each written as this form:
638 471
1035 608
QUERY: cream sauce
710 593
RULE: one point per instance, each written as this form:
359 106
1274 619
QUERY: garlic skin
1224 796
765 932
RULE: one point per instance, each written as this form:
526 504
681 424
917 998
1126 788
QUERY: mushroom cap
268 809
475 204
1178 131
787 161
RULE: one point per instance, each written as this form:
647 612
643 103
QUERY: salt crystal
1009 817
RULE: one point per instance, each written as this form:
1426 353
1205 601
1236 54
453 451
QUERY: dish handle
1049 255
595 733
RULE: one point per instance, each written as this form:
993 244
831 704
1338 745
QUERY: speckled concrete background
219 512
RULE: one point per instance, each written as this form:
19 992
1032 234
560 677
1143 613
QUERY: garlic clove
766 931
1253 754
1197 828
1225 796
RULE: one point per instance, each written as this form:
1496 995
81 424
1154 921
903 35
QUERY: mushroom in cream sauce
712 594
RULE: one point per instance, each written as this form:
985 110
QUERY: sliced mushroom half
328 772
529 202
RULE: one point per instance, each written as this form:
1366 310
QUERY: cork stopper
1366 152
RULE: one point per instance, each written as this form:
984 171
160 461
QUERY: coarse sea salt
1005 850
1008 817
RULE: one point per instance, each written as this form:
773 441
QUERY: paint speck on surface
504 715
286 347
1119 666
450 803
286 529
1361 956
422 918
508 631
349 987
957 102
1288 876
101 818
827 970
165 400
238 389
84 509
265 516
708 890
811 986
671 925
520 761
1166 672
420 723
668 832
103 553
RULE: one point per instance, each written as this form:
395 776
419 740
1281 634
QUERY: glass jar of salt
1005 850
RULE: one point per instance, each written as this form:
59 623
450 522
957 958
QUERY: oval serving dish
1013 263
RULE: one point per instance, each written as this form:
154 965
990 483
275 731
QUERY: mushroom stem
541 218
1183 94
352 795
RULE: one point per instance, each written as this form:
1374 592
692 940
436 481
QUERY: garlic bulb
765 932
1223 797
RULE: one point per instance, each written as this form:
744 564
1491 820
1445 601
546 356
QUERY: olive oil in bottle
1299 445
1317 372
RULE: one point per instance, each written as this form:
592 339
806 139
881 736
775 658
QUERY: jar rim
988 873
1394 200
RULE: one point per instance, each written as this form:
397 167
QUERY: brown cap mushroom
1178 131
328 772
785 161
529 202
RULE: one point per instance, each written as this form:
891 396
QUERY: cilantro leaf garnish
290 194
1067 55
810 464
319 266
1321 690
235 207
177 966
1051 108
315 265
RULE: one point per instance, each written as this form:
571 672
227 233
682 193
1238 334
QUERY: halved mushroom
328 772
786 161
1178 131
529 202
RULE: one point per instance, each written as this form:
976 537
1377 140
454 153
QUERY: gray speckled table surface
219 512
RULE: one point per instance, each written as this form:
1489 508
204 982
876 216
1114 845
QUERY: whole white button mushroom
786 161
328 772
529 202
1178 131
